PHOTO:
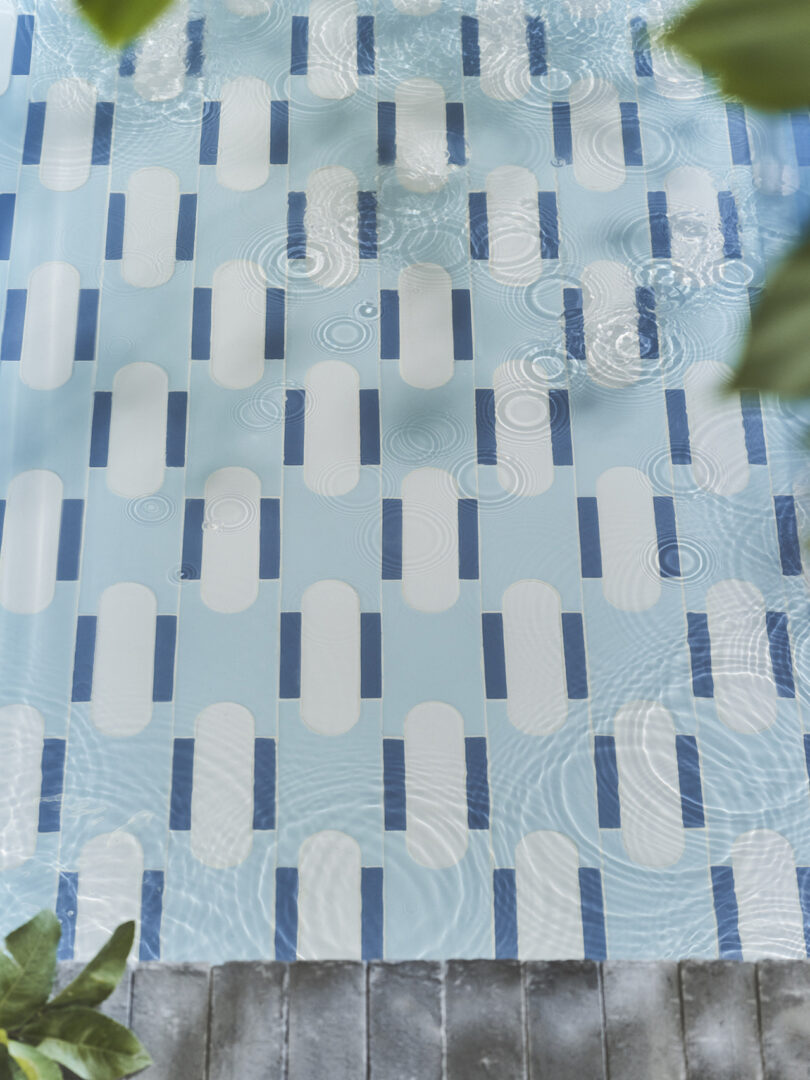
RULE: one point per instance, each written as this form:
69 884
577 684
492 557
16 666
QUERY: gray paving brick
170 1016
721 1025
327 1021
643 1027
116 1005
564 1016
248 1021
485 1020
405 1021
784 1011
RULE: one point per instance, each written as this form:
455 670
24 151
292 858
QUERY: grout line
760 1042
524 1004
209 1024
443 1013
683 1020
600 980
367 1040
285 1022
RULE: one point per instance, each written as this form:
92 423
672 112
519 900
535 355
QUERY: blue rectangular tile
367 224
294 419
678 424
372 922
192 540
485 427
494 655
477 783
165 646
726 913
152 886
53 779
13 325
176 429
686 749
32 145
115 226
299 45
536 44
70 540
562 452
67 902
574 324
264 784
788 534
84 655
195 31
631 134
269 539
289 678
589 544
391 539
201 325
274 319
642 56
389 324
369 427
776 623
186 228
386 133
800 123
561 125
370 654
286 937
365 44
700 654
7 204
23 40
102 133
737 134
86 322
669 561
456 145
549 228
209 133
126 64
100 429
803 879
647 324
279 132
394 784
660 238
470 50
607 782
504 897
479 226
754 431
296 235
182 782
462 325
576 671
468 539
592 907
730 225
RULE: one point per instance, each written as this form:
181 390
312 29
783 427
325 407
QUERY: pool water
383 571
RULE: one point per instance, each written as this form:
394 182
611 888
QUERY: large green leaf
9 1069
26 984
758 49
777 355
91 1044
119 21
101 976
33 1064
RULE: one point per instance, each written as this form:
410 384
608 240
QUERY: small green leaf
103 973
26 984
35 1066
91 1044
119 21
777 356
759 51
9 1069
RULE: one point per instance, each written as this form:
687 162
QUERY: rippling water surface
384 569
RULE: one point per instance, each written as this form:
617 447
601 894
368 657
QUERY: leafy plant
760 54
38 1036
119 21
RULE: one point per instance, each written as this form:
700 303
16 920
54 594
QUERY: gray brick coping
470 1020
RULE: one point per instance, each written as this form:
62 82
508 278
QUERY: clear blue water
382 572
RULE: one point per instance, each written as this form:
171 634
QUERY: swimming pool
381 572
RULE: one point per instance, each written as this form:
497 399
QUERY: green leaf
777 356
25 986
91 1044
758 49
119 21
9 1069
33 1064
103 973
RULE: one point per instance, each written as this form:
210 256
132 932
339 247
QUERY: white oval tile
150 227
548 901
422 156
137 452
8 31
332 60
123 669
332 428
596 135
67 136
22 733
30 541
238 315
435 785
522 429
49 336
694 217
160 65
504 51
243 155
610 318
430 539
513 219
330 657
716 433
229 577
426 349
330 223
329 897
110 877
770 914
537 701
222 794
630 572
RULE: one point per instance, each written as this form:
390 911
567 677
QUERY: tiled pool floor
382 574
